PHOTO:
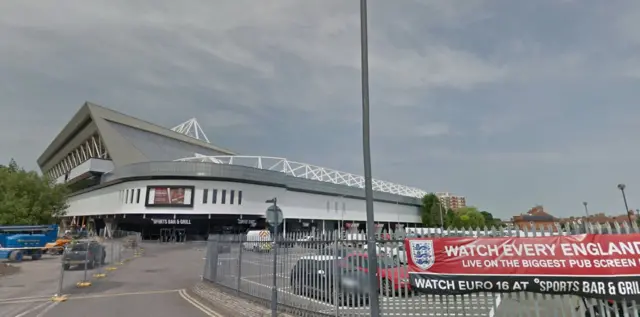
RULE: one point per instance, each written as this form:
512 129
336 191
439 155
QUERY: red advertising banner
590 265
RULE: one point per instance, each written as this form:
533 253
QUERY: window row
127 196
235 196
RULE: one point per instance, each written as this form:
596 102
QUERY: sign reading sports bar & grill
589 265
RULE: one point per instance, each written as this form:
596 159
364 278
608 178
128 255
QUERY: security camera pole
366 148
274 218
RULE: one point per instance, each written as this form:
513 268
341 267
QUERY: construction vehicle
57 247
19 241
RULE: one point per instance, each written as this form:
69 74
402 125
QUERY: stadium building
130 174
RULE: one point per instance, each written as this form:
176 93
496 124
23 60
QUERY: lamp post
441 218
366 149
621 187
586 210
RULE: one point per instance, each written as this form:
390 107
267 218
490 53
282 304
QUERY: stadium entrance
186 227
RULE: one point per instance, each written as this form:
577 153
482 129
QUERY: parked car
89 253
340 252
321 277
608 309
393 278
393 250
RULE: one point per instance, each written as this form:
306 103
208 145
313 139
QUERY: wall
295 205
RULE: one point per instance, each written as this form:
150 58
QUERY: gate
167 235
173 235
181 235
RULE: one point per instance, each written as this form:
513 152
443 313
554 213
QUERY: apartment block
451 201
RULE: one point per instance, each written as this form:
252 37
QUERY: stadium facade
130 174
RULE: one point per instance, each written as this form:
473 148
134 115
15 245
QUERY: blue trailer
19 241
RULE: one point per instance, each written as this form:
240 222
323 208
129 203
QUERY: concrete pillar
109 227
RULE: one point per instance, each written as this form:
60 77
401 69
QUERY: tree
27 198
430 211
490 221
449 218
468 217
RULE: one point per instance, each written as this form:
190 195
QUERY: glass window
223 199
239 197
131 198
205 194
214 196
232 196
79 247
126 195
138 196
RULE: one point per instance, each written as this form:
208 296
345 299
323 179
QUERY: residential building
601 218
536 217
451 201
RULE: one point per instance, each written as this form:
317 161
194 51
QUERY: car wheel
387 288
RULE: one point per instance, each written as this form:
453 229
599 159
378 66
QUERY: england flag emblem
422 253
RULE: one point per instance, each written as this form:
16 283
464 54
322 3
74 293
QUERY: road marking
124 294
25 301
197 304
32 309
31 298
48 308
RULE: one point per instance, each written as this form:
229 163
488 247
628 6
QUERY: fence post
213 263
62 266
207 258
336 279
239 277
274 282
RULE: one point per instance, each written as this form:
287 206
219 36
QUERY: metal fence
84 261
297 274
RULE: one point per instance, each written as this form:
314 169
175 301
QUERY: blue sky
510 103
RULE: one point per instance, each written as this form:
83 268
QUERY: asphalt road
39 280
150 285
256 271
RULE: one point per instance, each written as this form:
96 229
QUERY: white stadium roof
307 171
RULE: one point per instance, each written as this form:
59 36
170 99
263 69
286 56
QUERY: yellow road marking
197 304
